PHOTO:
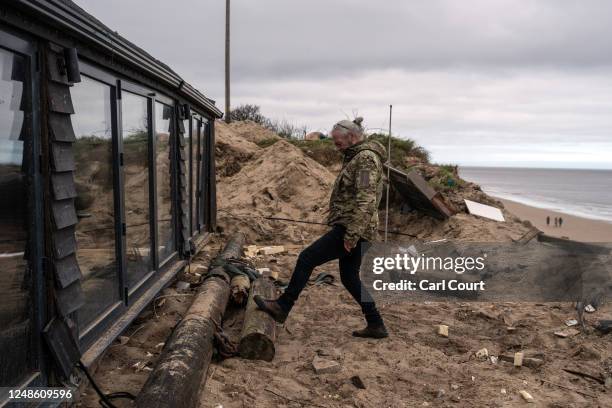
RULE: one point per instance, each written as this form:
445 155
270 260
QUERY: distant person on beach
556 221
560 222
547 220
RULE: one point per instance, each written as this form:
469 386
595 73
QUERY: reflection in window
93 177
15 279
136 186
195 168
165 230
203 166
187 151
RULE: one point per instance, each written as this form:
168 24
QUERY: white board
484 210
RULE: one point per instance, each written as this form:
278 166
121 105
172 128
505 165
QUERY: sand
415 366
575 228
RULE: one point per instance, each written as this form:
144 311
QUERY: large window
196 127
135 125
95 231
165 207
15 271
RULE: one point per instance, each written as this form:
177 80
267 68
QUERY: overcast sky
479 82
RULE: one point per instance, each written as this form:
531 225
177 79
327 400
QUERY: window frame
129 296
21 44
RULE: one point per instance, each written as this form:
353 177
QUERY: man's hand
348 245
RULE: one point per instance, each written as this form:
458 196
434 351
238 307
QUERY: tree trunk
176 379
240 285
259 329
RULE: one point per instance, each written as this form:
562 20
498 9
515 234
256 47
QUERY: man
353 216
548 220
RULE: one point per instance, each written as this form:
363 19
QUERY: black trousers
327 248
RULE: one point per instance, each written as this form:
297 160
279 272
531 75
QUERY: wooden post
259 329
228 119
177 377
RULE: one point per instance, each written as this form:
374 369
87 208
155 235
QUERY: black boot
272 308
373 331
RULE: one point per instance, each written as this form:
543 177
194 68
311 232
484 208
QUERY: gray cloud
511 81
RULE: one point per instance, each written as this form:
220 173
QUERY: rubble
325 366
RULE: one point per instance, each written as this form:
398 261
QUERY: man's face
342 140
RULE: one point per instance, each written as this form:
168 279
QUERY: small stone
589 309
455 398
482 353
526 396
518 359
440 393
566 333
571 322
454 387
473 378
357 382
123 339
503 391
182 286
324 366
443 330
494 359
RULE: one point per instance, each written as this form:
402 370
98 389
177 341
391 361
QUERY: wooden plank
64 213
63 186
59 98
62 157
64 243
61 127
67 271
69 299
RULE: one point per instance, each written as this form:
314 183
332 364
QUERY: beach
575 228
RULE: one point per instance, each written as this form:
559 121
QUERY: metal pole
388 174
227 61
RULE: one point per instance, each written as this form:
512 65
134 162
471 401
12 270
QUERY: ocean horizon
580 192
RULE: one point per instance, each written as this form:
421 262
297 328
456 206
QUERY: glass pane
203 164
15 278
165 225
93 178
188 169
195 167
136 186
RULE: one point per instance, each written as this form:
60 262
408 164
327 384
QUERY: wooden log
259 329
239 287
176 379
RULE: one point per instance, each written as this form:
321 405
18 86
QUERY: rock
123 339
503 391
518 359
454 387
440 393
443 330
455 398
494 359
571 322
589 309
182 286
482 353
526 396
357 382
324 366
567 333
271 250
530 362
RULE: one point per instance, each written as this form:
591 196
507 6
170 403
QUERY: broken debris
325 366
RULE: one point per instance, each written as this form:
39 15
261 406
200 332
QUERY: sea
584 193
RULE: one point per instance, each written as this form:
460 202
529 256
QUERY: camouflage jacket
358 190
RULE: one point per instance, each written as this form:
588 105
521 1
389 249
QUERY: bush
402 148
282 128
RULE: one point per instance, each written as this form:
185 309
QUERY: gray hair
350 126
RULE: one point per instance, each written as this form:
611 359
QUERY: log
176 379
239 287
259 329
